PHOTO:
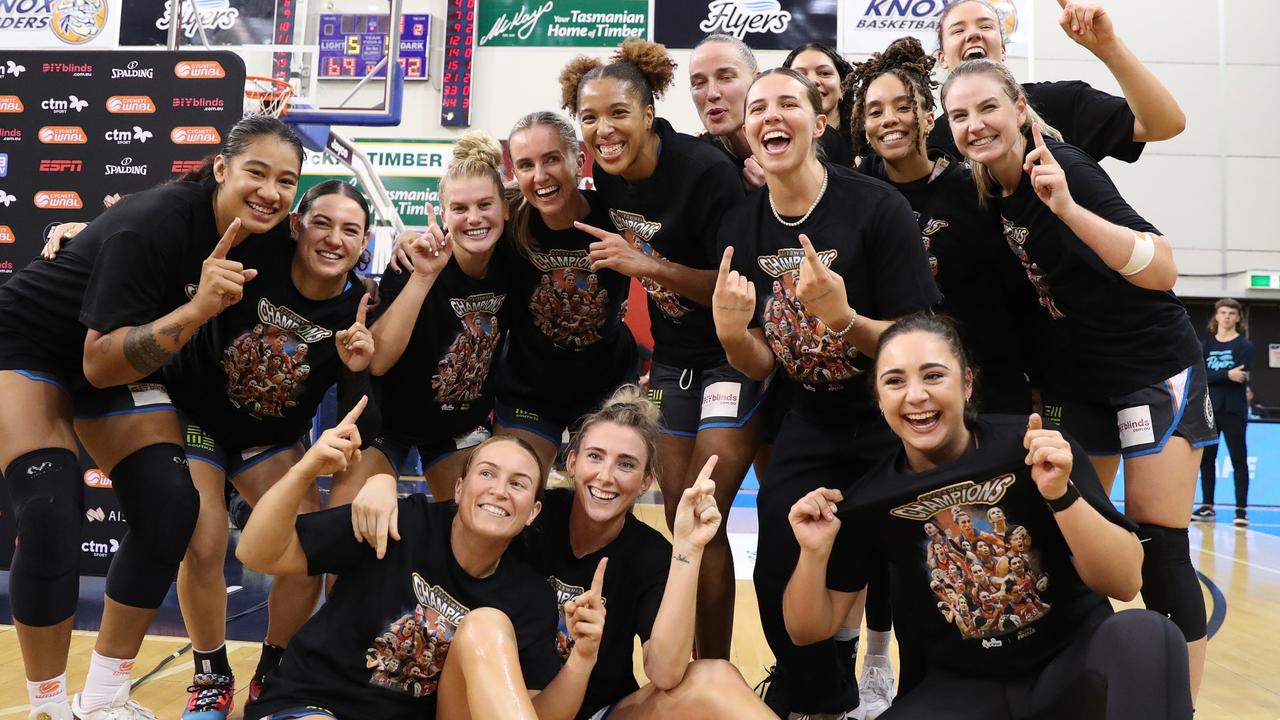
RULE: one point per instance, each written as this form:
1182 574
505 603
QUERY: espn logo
95 478
6 235
195 135
62 135
182 167
199 69
130 104
58 200
61 165
11 104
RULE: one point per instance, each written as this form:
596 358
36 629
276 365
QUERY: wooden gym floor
1241 570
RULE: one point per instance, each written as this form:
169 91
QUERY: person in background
826 69
1228 355
721 68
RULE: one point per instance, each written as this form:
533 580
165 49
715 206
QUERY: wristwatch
1066 500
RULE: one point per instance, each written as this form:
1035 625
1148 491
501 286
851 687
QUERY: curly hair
644 66
906 60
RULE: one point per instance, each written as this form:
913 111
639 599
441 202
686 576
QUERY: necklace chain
821 191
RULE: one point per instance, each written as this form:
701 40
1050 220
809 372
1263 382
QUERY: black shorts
715 397
547 420
1141 422
91 403
396 450
299 711
202 446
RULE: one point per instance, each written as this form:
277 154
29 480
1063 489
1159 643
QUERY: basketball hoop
266 96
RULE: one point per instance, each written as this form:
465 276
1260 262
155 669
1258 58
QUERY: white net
266 96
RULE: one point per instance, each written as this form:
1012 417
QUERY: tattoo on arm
142 349
682 558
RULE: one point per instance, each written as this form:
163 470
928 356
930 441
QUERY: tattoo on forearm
142 349
682 558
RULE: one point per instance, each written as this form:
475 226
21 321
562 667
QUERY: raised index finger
707 469
597 582
354 415
1063 4
1047 157
725 262
431 216
592 230
363 310
810 255
228 239
1034 422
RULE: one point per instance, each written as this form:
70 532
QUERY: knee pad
48 497
161 505
1169 582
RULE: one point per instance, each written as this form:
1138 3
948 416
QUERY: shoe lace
209 691
877 680
762 687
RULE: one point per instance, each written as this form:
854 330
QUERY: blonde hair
521 210
629 408
982 176
475 155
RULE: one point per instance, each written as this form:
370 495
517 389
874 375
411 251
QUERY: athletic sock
847 643
105 678
43 692
212 662
270 659
878 641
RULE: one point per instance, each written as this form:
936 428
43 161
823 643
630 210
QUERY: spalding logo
78 21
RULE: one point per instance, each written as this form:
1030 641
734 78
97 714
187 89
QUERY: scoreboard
352 45
459 47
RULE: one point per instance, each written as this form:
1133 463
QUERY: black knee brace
48 497
1169 582
161 505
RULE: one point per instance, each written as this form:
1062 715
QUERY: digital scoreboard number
459 47
351 46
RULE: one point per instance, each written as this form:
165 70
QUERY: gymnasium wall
1207 189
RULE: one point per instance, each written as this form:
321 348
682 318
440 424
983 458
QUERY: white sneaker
854 714
122 707
51 711
875 687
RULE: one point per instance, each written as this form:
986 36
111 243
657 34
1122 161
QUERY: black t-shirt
675 214
634 581
566 319
1227 395
982 284
721 144
159 239
836 146
377 647
1112 336
441 386
256 373
1098 123
863 230
983 580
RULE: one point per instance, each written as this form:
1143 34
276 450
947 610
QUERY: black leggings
1132 664
1233 429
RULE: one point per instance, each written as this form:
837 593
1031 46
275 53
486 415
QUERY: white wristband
1144 251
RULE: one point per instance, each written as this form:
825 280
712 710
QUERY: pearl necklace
821 191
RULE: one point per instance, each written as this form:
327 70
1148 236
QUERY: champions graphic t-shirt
1227 395
675 214
158 240
634 581
1098 123
836 146
864 231
256 373
1112 336
983 580
441 385
565 319
982 284
377 647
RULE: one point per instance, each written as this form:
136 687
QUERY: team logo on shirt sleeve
461 373
409 655
568 306
267 365
804 345
639 232
1016 237
984 573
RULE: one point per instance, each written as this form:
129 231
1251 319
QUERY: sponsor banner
226 22
868 26
761 24
410 170
577 23
96 124
66 24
